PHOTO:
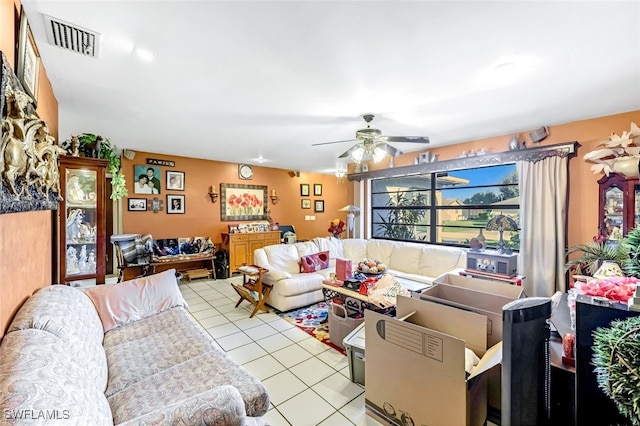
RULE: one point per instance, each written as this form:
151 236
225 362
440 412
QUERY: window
447 208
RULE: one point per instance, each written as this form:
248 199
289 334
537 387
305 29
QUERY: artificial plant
616 357
593 254
96 145
631 244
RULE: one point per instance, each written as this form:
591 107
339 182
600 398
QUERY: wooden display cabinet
241 246
82 221
618 205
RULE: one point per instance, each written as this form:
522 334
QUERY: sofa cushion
128 301
192 377
283 257
306 248
437 260
380 250
63 311
145 347
40 374
355 249
314 262
222 405
300 283
332 245
406 257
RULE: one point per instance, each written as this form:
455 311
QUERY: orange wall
583 188
202 217
26 256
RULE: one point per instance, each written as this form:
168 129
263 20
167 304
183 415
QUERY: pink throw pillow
314 262
129 301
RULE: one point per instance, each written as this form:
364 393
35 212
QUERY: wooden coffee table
252 288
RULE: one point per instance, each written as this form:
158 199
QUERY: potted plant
619 154
96 146
593 254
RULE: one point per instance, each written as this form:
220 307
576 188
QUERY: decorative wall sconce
274 197
213 194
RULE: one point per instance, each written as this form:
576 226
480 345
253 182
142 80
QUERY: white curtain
543 212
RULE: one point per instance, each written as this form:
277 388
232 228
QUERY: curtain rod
529 154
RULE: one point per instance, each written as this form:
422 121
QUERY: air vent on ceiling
72 37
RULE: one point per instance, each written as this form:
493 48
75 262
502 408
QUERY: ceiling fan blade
394 152
413 139
350 150
329 143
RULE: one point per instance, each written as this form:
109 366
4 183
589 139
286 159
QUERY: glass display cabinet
619 209
82 221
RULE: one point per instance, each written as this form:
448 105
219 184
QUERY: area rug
313 320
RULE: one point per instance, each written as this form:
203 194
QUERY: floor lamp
351 217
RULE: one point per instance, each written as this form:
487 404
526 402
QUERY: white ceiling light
368 151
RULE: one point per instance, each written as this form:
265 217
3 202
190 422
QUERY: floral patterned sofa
120 354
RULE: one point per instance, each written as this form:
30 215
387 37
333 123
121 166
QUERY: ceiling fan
373 144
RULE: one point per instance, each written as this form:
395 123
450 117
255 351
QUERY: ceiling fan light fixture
378 154
357 155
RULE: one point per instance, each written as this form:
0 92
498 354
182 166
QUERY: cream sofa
58 366
293 289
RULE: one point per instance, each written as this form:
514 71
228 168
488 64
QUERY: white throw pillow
129 301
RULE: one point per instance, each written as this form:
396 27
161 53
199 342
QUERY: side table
252 288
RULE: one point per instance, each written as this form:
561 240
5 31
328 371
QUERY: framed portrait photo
147 179
318 206
137 205
28 59
306 204
175 204
304 189
175 181
317 189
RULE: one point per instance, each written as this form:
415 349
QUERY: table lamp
502 223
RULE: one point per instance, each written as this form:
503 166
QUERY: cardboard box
484 297
415 364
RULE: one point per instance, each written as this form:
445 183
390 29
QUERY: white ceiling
236 81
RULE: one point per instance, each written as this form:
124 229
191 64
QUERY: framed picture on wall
243 202
137 205
175 204
147 179
317 189
175 180
318 207
28 59
304 189
306 203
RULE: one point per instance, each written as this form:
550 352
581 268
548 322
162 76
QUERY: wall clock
245 171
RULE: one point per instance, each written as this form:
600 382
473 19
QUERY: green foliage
631 244
400 222
482 198
593 253
108 151
616 357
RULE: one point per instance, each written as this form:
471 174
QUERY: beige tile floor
308 381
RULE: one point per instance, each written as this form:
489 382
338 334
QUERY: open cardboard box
415 366
481 296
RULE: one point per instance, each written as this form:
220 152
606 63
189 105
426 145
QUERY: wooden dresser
241 246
